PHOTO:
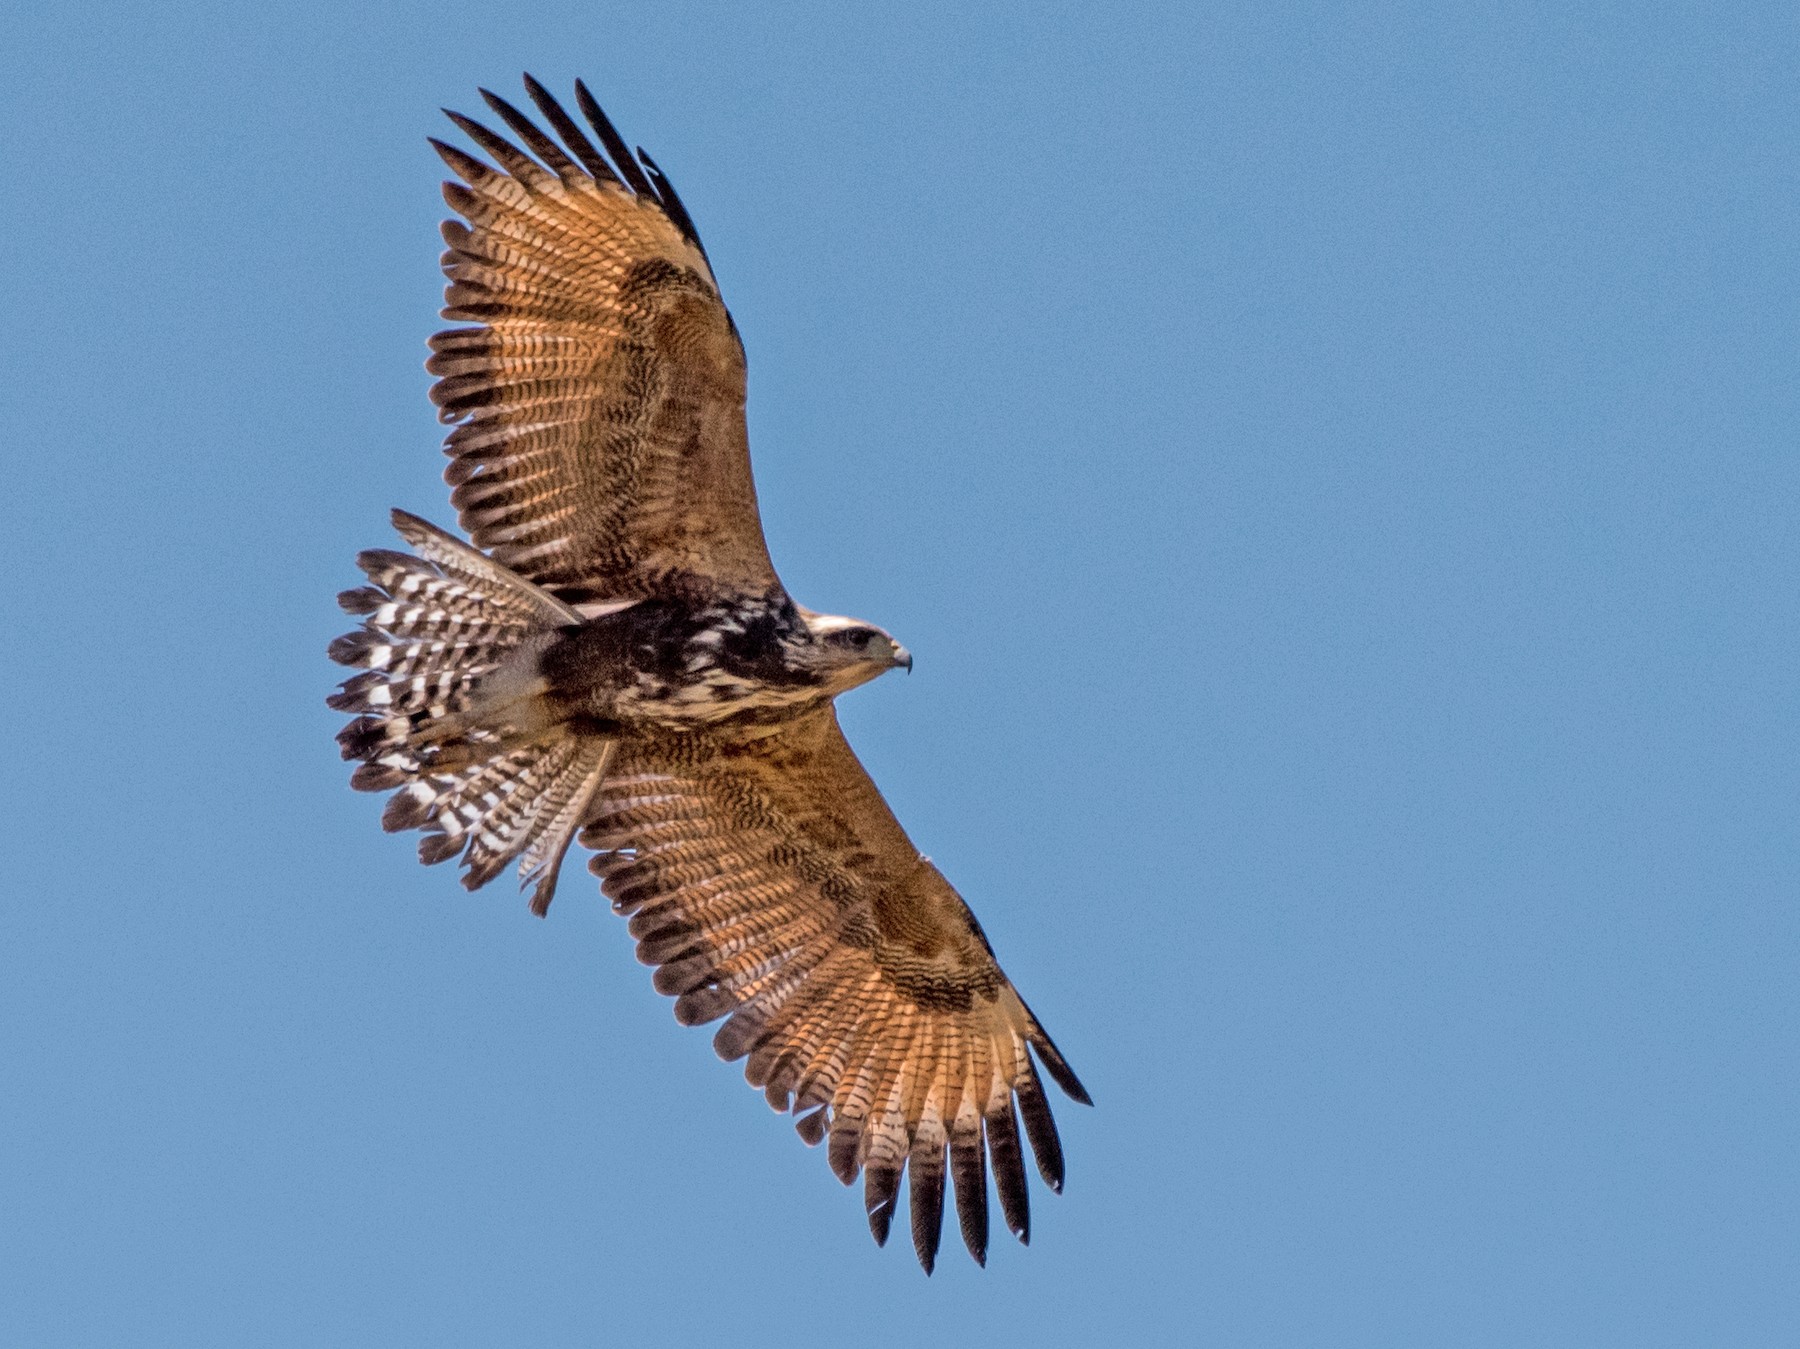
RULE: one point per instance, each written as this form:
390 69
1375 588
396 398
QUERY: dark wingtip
1071 1085
1040 1128
881 1196
927 1204
968 1169
1054 1062
811 1128
1006 1154
672 204
841 1154
572 134
615 144
534 137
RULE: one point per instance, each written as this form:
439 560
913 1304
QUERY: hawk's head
845 652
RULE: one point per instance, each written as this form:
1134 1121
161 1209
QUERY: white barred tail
435 626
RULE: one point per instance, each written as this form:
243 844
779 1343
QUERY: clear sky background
1336 466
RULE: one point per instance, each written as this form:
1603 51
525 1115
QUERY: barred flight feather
751 873
599 399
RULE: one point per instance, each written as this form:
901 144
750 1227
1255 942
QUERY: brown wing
600 447
769 880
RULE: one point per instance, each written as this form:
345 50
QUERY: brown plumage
600 448
623 661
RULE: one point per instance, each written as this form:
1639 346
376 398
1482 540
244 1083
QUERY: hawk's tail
443 715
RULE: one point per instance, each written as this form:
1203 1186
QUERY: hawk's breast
673 666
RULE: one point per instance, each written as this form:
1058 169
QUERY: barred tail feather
525 803
435 626
564 807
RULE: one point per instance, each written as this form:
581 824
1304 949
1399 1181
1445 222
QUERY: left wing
767 878
599 446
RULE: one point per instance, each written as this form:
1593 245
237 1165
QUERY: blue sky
1335 466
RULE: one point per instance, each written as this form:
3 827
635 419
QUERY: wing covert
599 446
768 881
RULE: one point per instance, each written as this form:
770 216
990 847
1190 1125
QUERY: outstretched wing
600 447
768 880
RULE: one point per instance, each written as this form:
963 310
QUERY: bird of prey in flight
613 658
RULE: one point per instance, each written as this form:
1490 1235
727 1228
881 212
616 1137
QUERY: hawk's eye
857 639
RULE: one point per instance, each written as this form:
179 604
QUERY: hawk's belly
715 696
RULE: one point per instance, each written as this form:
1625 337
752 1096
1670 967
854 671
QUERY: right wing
768 880
600 448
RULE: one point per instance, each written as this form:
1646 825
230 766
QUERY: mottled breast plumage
677 666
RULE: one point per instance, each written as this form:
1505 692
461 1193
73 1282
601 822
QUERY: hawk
612 658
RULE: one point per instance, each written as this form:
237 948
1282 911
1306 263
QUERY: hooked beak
903 658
